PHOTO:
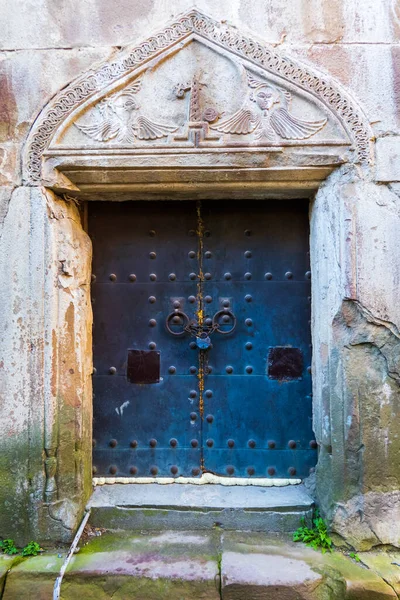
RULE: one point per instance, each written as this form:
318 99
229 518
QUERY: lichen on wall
45 394
357 358
371 378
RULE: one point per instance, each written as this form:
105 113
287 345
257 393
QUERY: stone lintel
237 173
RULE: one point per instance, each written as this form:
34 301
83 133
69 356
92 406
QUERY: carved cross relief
265 113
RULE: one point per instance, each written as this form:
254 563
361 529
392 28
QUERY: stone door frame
67 416
335 178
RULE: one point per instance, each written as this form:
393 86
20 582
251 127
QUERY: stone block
170 565
187 506
388 159
174 565
5 197
355 364
29 79
97 23
33 578
186 565
10 170
264 576
43 268
367 73
6 563
386 565
262 567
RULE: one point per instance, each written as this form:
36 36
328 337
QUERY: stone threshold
206 497
170 506
202 565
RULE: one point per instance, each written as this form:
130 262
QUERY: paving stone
173 565
256 566
386 565
179 565
6 563
259 576
33 578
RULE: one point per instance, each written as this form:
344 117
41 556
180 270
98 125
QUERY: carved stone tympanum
200 98
201 84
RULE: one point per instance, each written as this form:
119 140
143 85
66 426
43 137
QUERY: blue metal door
201 339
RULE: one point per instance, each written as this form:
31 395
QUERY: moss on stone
164 544
121 588
32 578
6 562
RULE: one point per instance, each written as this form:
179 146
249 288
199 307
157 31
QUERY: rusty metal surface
222 292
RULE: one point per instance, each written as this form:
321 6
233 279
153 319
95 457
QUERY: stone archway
163 119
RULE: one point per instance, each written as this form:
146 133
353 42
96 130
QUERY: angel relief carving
265 113
117 118
271 118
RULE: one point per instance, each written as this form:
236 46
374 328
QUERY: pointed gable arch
281 74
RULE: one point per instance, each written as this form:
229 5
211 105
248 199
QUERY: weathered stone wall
45 260
356 269
45 384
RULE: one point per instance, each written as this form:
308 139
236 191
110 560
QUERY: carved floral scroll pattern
228 38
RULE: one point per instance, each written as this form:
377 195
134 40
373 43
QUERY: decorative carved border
194 22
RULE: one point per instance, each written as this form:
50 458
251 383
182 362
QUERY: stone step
195 507
200 565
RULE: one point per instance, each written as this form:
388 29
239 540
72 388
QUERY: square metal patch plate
143 366
285 363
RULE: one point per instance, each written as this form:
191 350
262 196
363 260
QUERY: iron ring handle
177 313
217 325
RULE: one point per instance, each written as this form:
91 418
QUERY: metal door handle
217 325
178 317
174 318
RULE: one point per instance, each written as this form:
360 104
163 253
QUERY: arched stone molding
345 135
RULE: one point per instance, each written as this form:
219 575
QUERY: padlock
203 341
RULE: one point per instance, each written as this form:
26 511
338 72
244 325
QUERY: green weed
8 547
355 556
31 549
317 536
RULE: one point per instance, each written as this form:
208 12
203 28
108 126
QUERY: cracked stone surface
205 565
257 566
386 565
